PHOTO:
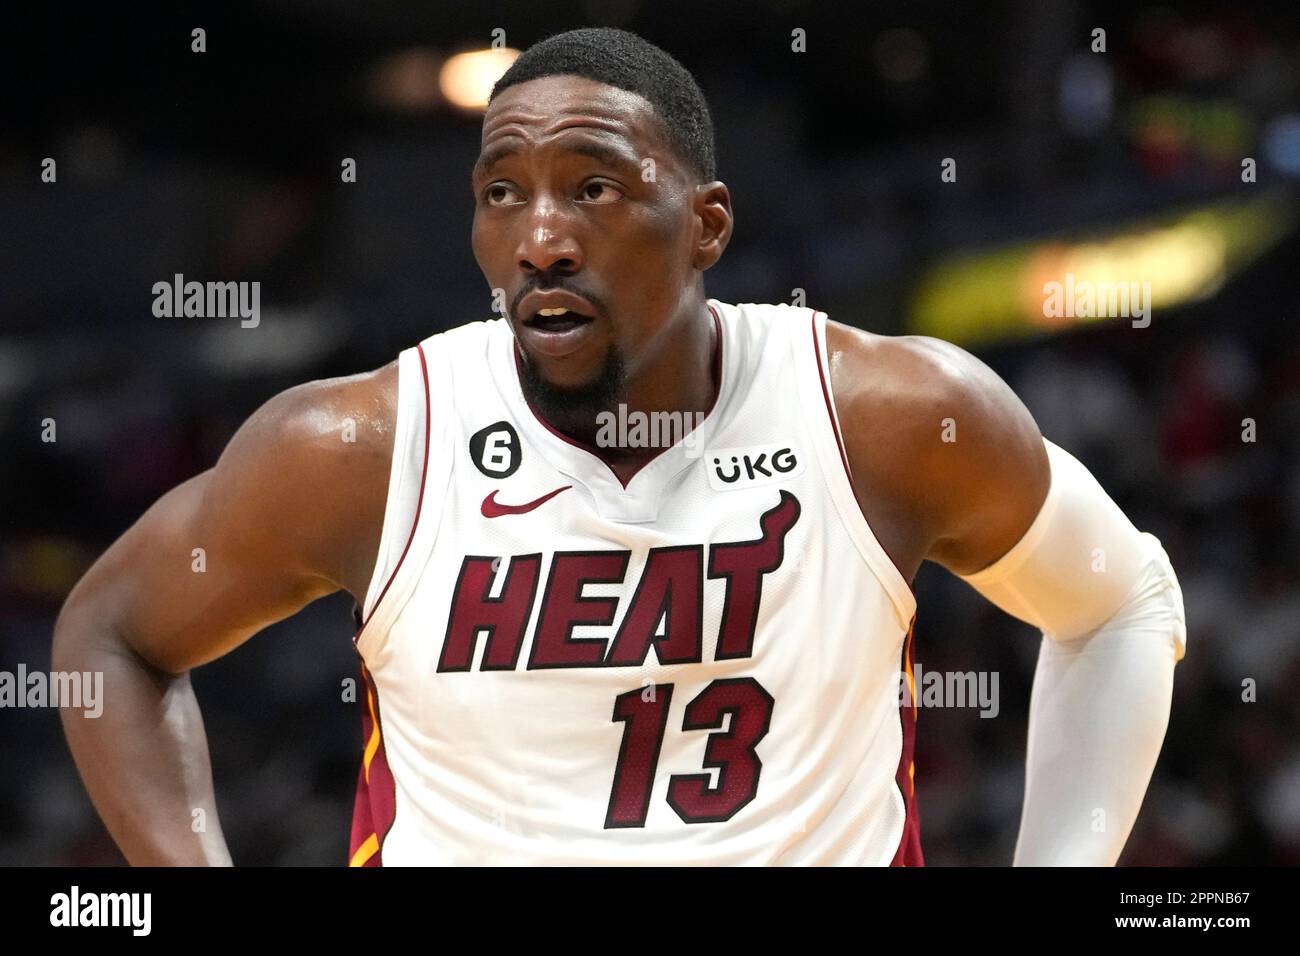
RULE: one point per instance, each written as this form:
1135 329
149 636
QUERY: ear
713 224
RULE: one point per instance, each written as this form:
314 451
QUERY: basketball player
584 651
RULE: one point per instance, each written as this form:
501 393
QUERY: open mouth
556 320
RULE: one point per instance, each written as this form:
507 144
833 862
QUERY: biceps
184 586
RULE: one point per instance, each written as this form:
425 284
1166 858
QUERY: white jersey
698 668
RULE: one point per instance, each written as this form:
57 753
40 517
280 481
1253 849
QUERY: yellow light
467 78
1177 259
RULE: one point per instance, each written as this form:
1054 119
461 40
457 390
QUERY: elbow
68 647
1154 605
84 633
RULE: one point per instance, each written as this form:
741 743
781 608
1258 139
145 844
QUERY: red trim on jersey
375 806
826 394
717 374
909 844
839 442
419 501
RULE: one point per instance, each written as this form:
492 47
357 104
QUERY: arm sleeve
1111 612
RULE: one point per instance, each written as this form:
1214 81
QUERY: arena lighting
985 297
467 78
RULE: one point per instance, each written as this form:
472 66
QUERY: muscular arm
963 478
292 511
947 463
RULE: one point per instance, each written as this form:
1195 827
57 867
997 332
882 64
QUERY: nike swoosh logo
491 508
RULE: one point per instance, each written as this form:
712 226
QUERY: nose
548 243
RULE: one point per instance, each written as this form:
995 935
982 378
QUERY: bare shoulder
939 445
315 458
905 380
322 414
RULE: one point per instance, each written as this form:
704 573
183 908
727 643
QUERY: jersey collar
641 499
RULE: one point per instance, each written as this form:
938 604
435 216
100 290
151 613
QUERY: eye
599 193
499 194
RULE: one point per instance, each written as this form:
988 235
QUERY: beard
573 410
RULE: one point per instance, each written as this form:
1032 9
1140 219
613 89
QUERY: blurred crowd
1167 430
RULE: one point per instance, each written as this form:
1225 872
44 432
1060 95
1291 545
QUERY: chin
570 373
585 381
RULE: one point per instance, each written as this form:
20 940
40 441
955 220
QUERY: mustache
545 283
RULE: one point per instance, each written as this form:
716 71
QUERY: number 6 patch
495 450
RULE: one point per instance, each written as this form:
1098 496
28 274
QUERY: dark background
225 166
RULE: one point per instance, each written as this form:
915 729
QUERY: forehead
542 108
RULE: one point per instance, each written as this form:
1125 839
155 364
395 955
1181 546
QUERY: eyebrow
601 152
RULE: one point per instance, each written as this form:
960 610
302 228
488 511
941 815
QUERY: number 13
731 752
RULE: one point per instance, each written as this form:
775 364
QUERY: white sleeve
1111 611
1079 561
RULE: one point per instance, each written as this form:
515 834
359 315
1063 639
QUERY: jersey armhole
819 409
408 475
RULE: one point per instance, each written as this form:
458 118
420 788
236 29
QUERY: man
580 645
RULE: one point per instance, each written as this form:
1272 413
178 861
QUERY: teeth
553 312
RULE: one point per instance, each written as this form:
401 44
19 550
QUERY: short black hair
629 62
